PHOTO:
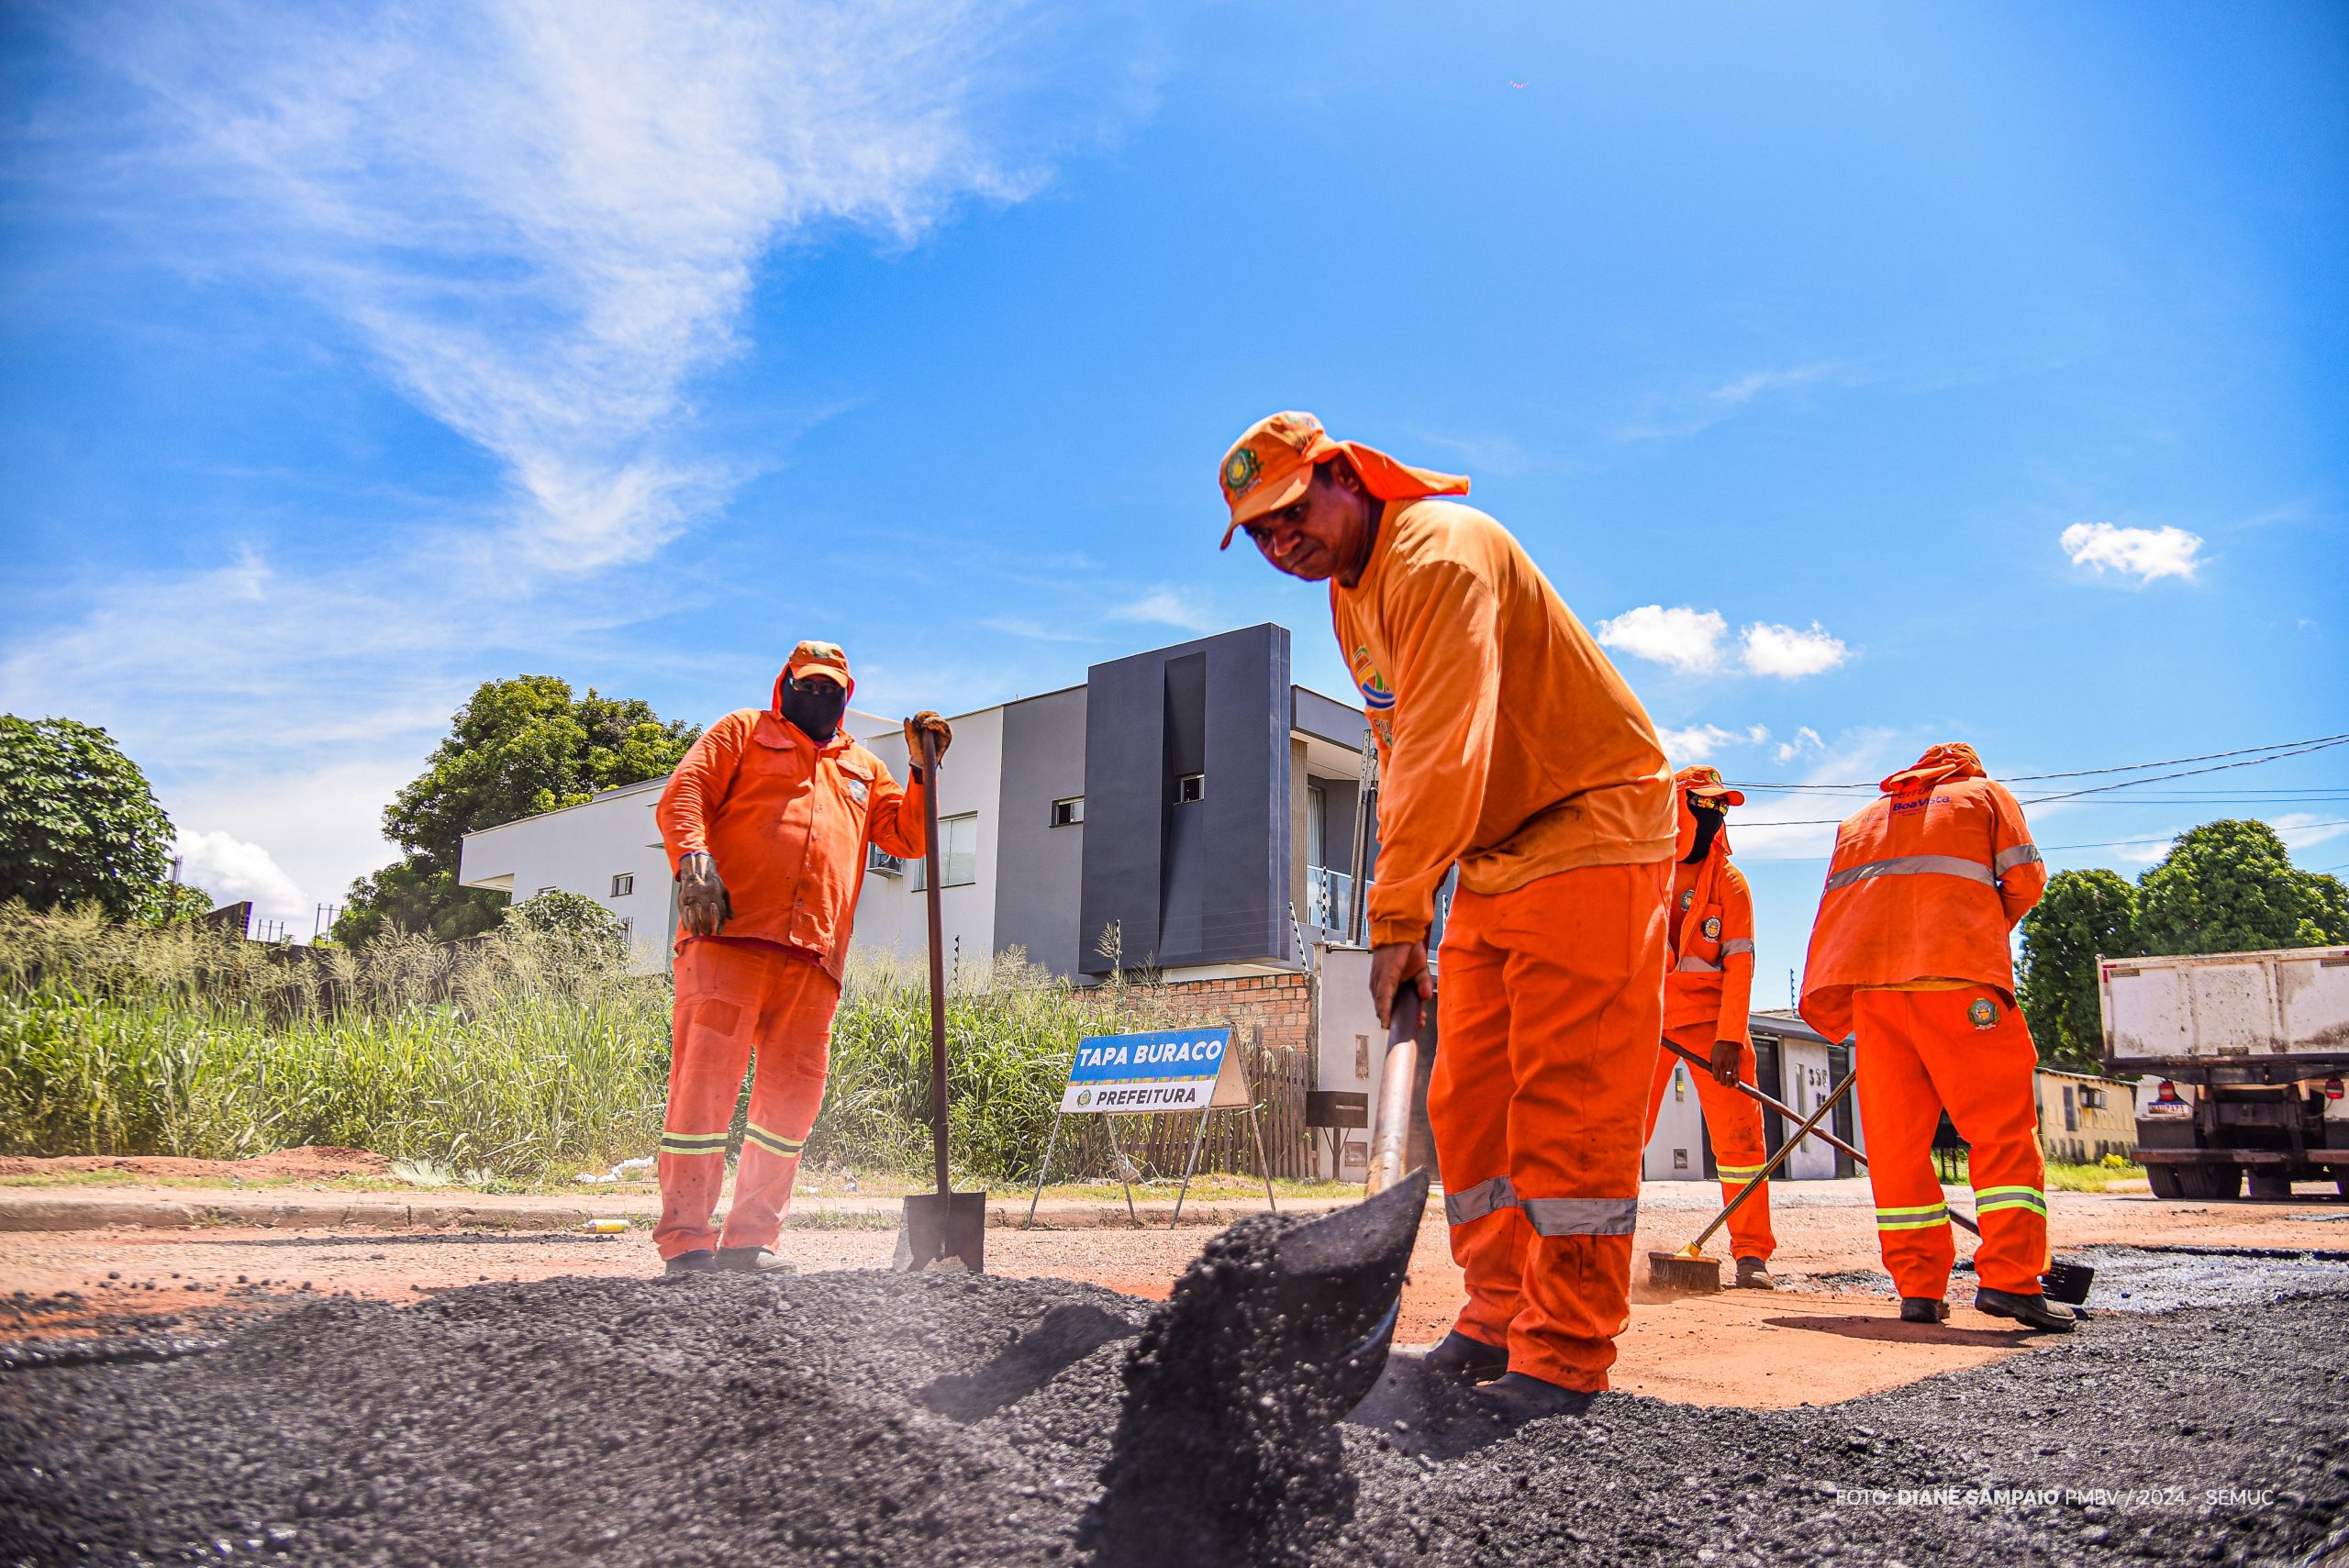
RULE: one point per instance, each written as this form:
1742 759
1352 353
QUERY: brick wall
1281 1005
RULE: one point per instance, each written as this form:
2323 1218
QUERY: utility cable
2288 748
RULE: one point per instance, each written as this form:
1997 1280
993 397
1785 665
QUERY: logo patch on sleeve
1376 695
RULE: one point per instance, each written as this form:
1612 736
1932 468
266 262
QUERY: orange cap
1708 782
1272 461
812 657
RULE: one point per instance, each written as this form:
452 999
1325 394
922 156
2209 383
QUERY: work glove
703 903
1726 1054
929 722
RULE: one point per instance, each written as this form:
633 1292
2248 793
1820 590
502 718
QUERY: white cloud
1165 606
1806 740
1692 642
1700 741
2305 829
1747 388
1683 638
2145 555
1789 654
230 869
545 219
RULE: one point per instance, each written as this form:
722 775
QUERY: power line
2313 743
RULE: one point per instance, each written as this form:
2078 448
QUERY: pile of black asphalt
867 1418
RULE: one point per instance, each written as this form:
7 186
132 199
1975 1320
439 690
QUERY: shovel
945 1228
2065 1279
1390 1136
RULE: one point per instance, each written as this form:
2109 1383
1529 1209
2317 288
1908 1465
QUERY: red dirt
310 1163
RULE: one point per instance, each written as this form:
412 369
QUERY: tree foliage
561 913
78 824
2083 913
2223 887
2229 887
518 747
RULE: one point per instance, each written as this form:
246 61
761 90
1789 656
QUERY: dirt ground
316 1162
1828 1336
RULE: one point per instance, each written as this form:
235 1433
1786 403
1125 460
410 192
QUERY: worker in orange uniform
1707 996
1910 954
765 822
1511 748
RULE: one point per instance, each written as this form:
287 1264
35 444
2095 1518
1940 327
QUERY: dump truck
2243 1054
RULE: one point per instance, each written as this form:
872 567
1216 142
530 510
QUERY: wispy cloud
1701 742
1693 405
2305 829
1166 607
546 219
1696 642
2146 554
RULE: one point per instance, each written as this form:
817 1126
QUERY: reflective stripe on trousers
1548 1216
1915 865
772 1142
1987 1199
1738 1172
693 1143
1924 1216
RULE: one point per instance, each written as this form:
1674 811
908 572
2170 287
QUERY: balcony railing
1329 897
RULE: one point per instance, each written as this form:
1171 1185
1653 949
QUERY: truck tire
2162 1179
2271 1186
2211 1180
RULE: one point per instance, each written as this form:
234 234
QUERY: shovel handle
1391 1131
936 960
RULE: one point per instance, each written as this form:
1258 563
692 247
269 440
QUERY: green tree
78 824
2331 915
2229 887
2083 913
560 914
515 748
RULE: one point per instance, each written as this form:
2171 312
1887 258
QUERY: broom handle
1785 1149
1750 1092
937 961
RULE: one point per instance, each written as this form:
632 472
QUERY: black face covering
1708 824
814 709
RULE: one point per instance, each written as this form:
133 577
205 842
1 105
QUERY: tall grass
527 1055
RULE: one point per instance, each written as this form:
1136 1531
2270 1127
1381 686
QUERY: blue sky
1867 375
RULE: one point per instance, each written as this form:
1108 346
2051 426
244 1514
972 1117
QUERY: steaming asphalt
864 1418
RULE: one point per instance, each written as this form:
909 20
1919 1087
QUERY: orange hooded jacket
1711 978
786 821
1507 740
1926 883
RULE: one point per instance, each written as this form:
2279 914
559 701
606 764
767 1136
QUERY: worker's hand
1392 966
927 722
1726 1056
703 904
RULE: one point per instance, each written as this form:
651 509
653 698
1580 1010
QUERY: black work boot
1752 1273
700 1261
2033 1311
1923 1309
1520 1397
754 1260
1465 1360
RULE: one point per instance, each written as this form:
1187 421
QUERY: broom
1689 1269
2066 1280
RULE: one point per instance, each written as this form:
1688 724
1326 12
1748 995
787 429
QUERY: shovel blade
943 1229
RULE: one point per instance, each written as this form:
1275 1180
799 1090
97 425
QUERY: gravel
868 1418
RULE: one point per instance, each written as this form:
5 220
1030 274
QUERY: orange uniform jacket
1711 978
1926 883
786 821
1507 741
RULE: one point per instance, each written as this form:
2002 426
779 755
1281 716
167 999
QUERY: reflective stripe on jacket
786 821
1926 883
1710 981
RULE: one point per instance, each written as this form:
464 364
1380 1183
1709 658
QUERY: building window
623 884
958 853
1068 813
628 930
882 862
1680 1159
544 891
1190 787
2091 1099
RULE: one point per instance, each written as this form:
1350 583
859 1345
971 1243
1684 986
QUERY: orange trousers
1969 1051
1553 1004
1734 1123
734 1002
